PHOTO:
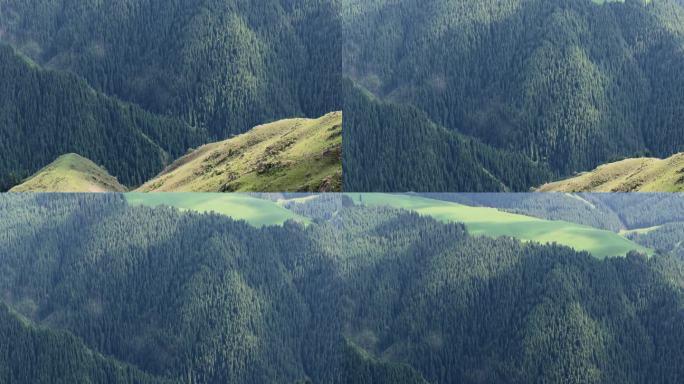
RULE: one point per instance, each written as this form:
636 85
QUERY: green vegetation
391 147
631 175
192 71
46 114
494 223
253 210
293 155
70 173
43 356
221 66
613 211
362 295
287 155
560 86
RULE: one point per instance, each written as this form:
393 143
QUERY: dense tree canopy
192 71
391 147
221 65
45 114
42 356
569 84
360 295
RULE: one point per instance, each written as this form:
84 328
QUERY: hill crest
71 173
291 155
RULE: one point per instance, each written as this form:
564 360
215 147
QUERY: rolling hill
630 175
493 222
479 220
284 156
257 212
291 155
71 173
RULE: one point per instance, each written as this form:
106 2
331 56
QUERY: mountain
288 155
71 173
45 114
362 294
630 175
132 85
220 66
567 85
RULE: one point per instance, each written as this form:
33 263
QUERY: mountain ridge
290 155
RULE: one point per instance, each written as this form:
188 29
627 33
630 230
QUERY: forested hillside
653 220
567 84
392 147
45 114
221 65
361 295
43 356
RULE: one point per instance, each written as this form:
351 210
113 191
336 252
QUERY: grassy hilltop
71 173
630 175
255 211
288 155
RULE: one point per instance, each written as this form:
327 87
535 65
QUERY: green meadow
255 211
495 223
480 221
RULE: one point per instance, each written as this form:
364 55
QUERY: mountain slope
366 294
45 114
491 222
395 147
630 175
255 211
567 84
284 156
71 173
43 356
223 66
